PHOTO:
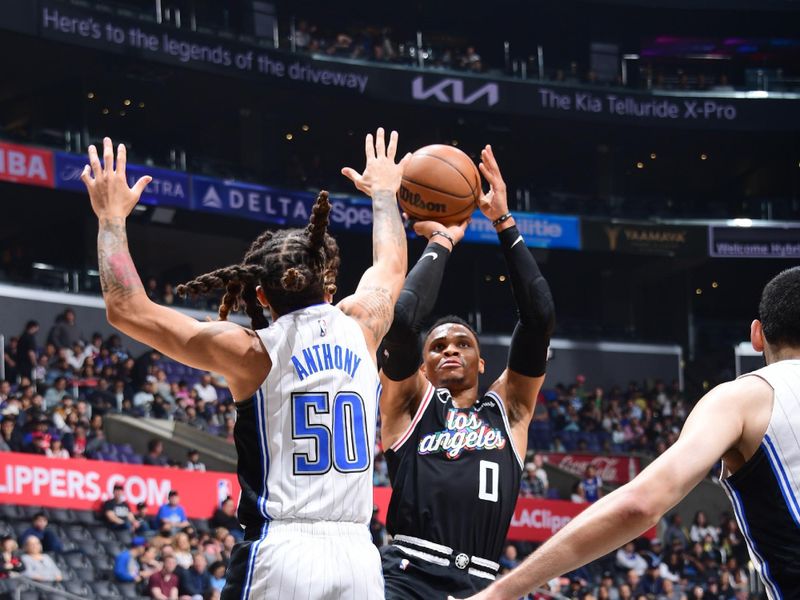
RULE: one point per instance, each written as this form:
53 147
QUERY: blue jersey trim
738 508
252 561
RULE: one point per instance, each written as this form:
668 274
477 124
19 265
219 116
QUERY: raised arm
715 426
224 347
372 303
520 383
403 383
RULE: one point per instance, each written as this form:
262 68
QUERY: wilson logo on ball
416 200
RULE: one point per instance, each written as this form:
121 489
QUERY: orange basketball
440 183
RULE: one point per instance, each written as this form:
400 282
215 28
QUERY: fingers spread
392 149
351 174
108 155
95 161
139 186
380 143
402 164
122 158
369 147
86 177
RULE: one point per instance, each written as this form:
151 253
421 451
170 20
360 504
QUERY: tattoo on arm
388 234
374 309
118 276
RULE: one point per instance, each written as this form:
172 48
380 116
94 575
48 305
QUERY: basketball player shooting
306 386
753 425
454 458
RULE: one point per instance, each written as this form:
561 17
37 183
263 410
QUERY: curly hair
295 267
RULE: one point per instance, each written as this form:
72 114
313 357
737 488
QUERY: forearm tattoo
388 235
118 276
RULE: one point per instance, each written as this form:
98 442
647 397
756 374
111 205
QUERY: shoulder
745 395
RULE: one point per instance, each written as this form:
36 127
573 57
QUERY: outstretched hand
381 172
108 187
494 204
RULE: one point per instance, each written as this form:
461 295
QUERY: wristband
446 236
501 219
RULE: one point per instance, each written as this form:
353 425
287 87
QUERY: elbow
114 315
640 507
118 317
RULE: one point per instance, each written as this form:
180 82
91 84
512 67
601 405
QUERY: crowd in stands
59 409
164 556
55 396
382 45
701 562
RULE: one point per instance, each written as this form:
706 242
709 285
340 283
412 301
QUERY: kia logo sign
451 91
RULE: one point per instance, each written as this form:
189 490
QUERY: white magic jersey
316 414
765 492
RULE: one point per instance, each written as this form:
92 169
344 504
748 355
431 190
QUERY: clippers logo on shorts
465 430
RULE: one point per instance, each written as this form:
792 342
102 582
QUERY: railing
23 584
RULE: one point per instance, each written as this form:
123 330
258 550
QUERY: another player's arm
372 303
403 383
232 350
519 384
715 426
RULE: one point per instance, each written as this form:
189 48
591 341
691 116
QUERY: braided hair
295 267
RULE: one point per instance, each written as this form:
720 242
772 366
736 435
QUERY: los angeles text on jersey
464 431
323 357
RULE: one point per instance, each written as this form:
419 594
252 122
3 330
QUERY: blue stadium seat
127 590
61 515
124 536
10 512
86 517
77 587
104 589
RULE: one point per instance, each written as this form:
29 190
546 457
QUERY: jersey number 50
343 444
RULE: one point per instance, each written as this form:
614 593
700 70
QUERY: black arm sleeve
401 350
528 352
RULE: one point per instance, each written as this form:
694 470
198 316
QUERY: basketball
440 183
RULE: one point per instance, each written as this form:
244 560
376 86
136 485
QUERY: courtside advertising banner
34 480
538 230
611 469
23 164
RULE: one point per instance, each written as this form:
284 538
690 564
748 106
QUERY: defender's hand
494 204
381 172
108 188
426 229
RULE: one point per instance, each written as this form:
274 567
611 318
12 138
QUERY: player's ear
262 298
481 365
757 336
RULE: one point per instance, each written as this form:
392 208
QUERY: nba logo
323 327
223 491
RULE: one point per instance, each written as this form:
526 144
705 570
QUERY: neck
774 355
464 398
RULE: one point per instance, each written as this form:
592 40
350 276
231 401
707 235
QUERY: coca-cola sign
611 469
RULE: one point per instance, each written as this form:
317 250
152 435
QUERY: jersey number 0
343 443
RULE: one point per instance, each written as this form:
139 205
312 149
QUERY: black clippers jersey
455 475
